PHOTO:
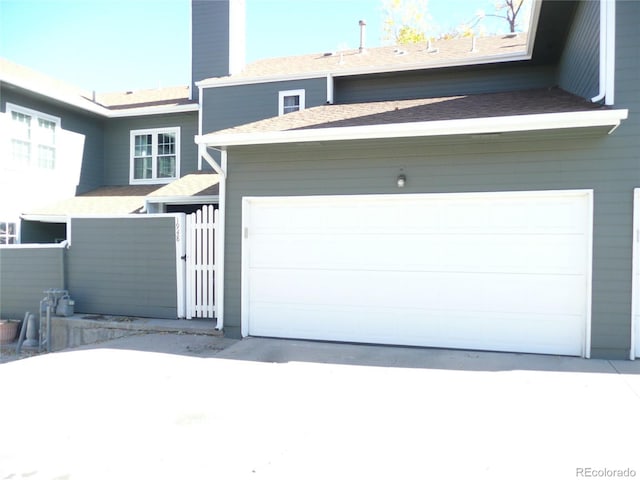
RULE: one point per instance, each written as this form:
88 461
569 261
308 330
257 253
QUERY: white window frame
15 236
154 154
290 93
36 140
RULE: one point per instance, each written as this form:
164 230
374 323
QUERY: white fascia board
513 123
137 112
213 83
88 106
44 218
183 199
78 102
231 81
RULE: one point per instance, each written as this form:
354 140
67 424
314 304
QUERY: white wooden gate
201 263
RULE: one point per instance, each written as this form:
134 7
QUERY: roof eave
482 60
155 110
473 126
91 107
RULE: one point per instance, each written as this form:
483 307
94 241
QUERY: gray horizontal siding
535 161
25 273
438 83
88 125
117 138
225 107
123 266
579 65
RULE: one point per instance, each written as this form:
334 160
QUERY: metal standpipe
48 307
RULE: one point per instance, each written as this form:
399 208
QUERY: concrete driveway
195 407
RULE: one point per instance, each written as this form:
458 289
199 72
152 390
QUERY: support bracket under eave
202 152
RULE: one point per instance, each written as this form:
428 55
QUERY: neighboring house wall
118 136
442 82
25 274
224 107
579 65
75 166
90 127
123 266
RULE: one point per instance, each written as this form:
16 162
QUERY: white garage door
499 271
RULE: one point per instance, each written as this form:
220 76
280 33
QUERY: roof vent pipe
363 27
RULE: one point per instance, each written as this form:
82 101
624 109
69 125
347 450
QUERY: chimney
363 31
217 39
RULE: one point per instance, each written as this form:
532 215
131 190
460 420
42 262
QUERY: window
33 138
290 101
155 155
8 233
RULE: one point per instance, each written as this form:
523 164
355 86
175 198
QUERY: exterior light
401 180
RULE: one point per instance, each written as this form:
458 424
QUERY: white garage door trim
533 196
635 279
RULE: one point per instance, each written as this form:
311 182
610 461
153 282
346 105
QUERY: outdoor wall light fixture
401 180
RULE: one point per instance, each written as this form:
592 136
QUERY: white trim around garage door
262 231
634 351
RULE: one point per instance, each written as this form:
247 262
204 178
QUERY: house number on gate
177 231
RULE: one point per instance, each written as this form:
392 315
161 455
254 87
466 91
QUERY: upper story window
290 101
155 155
33 138
8 233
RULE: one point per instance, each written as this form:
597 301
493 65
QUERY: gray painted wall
117 140
458 164
123 266
579 65
438 83
225 107
25 273
88 125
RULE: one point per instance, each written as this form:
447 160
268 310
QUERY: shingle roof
126 199
168 96
30 79
526 102
421 55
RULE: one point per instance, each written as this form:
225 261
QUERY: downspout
219 247
607 49
220 236
329 89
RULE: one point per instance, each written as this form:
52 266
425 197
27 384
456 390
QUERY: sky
117 45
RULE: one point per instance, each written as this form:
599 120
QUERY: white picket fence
201 263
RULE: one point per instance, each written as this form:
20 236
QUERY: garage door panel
483 271
406 326
468 252
449 213
420 290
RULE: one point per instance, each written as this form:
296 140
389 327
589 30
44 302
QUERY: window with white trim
155 155
8 233
290 101
33 138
